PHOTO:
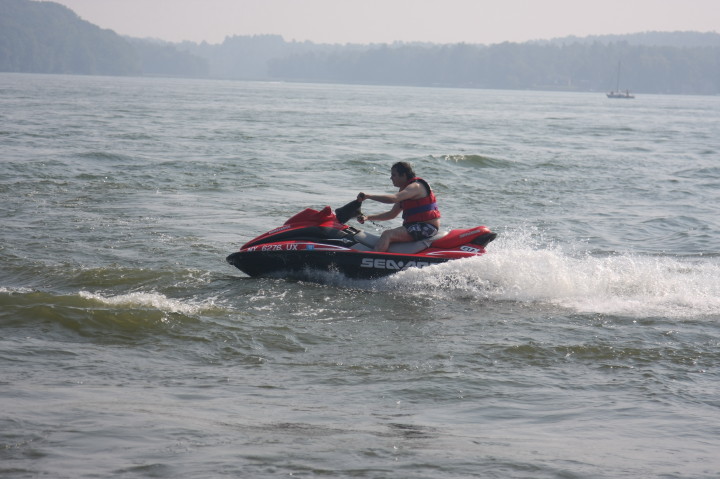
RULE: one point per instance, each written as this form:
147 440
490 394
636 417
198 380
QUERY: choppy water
585 344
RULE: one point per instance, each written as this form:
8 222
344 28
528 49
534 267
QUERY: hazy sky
386 21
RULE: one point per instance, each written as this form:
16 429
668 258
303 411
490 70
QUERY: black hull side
353 264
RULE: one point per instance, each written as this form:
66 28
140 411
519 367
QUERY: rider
416 201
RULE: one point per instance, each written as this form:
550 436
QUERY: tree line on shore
45 37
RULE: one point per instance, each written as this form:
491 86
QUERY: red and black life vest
424 209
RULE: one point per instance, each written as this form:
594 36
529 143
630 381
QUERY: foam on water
151 300
518 269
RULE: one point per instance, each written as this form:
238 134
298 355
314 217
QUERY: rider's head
403 168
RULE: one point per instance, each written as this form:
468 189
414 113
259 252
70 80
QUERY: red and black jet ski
320 240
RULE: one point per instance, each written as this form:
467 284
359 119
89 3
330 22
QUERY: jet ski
321 240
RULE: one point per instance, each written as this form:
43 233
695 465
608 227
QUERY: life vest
424 209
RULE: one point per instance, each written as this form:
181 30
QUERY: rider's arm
411 192
388 215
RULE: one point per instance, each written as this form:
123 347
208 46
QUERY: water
584 344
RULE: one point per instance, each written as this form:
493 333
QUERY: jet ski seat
367 242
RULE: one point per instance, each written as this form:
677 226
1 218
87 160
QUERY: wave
156 301
707 173
478 161
105 156
87 313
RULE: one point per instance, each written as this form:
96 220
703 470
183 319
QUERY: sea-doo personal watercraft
321 240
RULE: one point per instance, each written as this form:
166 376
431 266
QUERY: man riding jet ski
420 213
320 240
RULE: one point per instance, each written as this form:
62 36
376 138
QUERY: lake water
586 343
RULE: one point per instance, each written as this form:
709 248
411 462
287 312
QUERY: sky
388 21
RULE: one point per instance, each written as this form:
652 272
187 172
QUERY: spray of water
524 268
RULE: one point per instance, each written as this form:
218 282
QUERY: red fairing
311 217
306 218
457 238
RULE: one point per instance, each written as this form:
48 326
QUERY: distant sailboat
617 93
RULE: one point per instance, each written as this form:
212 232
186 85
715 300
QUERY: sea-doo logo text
381 263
